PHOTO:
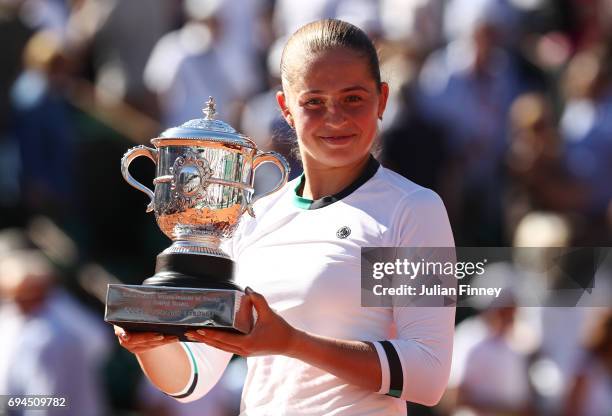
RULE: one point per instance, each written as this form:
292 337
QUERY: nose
334 116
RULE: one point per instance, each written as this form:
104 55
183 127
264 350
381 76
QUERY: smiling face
333 102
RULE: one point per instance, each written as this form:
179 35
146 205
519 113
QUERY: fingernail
125 336
248 290
201 332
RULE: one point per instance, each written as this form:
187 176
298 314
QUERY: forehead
330 71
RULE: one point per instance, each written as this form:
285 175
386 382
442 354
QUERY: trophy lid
207 128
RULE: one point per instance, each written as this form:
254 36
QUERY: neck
322 181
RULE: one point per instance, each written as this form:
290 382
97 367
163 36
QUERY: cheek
309 119
365 118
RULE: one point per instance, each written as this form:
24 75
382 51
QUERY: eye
312 102
353 99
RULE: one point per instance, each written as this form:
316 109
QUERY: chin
341 159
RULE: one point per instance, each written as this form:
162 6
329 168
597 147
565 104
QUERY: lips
338 140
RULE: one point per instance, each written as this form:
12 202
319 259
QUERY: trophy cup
203 185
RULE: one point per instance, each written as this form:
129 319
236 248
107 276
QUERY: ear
382 99
281 99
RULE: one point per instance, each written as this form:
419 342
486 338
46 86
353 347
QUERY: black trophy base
187 292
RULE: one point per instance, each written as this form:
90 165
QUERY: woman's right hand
139 342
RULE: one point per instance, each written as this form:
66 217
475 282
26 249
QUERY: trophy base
187 292
193 270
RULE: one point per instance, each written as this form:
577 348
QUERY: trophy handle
127 159
281 164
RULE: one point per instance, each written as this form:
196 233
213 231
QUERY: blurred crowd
503 107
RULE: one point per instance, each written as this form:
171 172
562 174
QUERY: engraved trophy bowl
203 185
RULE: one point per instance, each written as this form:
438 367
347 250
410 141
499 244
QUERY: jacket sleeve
416 362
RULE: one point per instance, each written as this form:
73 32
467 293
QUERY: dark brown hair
326 35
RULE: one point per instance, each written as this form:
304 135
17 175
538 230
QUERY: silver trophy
203 185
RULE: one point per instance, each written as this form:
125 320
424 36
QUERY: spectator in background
538 175
417 23
414 147
586 127
462 16
185 67
468 88
40 354
289 15
262 121
540 238
490 365
261 110
43 126
119 52
591 393
243 43
14 34
85 324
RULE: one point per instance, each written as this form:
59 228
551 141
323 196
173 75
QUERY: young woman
314 350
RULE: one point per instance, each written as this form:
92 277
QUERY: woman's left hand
270 335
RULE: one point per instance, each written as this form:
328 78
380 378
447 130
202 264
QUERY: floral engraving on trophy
189 180
191 173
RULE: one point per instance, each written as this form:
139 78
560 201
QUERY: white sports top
304 257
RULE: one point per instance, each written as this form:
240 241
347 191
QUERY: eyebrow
347 89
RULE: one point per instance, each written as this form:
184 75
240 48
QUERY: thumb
259 302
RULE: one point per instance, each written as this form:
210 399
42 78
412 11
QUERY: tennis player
314 350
